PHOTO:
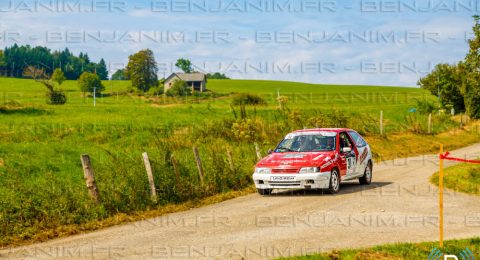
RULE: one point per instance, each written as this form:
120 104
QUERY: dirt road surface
399 206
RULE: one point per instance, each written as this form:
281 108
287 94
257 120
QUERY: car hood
296 159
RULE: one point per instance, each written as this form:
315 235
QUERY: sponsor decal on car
364 155
282 178
293 156
323 133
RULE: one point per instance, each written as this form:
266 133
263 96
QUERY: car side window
345 141
359 142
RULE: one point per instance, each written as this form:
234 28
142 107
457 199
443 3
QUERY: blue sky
370 42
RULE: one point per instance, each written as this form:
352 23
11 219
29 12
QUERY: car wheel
265 192
366 179
334 182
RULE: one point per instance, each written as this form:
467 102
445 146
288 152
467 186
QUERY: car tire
366 179
265 192
334 182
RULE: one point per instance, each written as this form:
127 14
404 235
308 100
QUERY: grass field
400 251
41 177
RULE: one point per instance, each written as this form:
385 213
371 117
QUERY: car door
348 158
362 151
342 161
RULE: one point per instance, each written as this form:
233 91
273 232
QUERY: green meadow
42 186
463 177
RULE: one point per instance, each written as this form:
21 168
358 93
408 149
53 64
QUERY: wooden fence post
230 160
89 176
151 181
175 169
257 150
199 163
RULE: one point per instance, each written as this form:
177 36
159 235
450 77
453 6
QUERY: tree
55 95
88 82
119 75
459 85
101 70
448 80
58 76
179 88
471 83
142 70
2 63
34 73
2 59
185 65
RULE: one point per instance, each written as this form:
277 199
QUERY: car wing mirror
270 151
346 149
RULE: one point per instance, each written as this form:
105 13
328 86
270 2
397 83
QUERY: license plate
282 178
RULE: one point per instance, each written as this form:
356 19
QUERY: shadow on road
345 188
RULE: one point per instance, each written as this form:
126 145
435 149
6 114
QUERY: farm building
197 81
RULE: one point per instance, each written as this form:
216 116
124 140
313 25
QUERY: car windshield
307 142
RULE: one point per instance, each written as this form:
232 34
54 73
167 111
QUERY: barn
196 81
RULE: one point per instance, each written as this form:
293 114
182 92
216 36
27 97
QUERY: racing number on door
351 158
351 164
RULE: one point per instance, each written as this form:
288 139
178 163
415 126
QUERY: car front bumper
292 181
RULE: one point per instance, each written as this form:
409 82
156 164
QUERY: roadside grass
41 179
462 177
399 251
122 218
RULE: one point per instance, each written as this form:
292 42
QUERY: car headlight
263 170
309 170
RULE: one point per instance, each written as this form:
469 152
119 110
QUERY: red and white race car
315 159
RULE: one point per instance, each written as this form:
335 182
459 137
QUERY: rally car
315 159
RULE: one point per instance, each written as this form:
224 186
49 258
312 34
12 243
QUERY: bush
156 91
248 99
56 97
179 88
248 130
425 107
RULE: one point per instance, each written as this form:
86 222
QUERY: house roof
189 76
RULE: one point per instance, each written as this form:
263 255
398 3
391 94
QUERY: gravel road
399 206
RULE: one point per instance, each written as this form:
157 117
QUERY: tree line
458 85
15 59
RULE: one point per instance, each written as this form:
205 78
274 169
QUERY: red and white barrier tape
445 156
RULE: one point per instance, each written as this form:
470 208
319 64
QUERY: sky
363 42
